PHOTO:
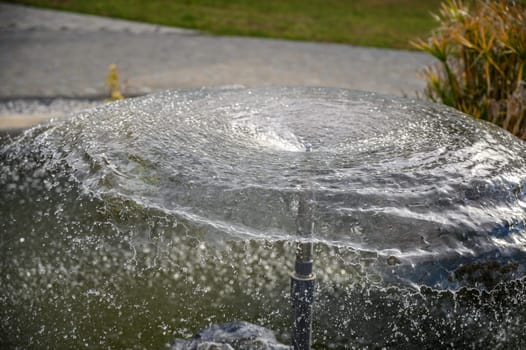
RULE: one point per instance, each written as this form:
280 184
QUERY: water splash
217 156
155 216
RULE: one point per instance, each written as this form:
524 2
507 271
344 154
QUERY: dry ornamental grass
481 48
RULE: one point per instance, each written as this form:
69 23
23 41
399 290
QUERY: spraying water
132 223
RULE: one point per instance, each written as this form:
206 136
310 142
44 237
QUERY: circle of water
389 174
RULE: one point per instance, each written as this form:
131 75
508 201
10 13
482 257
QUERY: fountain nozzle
303 278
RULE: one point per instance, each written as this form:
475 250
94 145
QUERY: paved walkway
46 53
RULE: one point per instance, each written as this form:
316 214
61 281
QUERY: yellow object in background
113 83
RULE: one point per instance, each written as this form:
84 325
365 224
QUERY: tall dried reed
481 49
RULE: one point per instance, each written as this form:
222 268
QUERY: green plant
481 49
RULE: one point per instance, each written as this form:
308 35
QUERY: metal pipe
302 292
303 278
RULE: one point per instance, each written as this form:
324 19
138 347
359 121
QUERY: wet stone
231 336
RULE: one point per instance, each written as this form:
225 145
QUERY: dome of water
132 222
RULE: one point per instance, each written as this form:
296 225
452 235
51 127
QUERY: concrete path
46 53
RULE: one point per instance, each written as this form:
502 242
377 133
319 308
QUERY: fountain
137 222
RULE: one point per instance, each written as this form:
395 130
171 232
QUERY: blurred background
55 56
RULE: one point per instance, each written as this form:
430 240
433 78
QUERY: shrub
481 49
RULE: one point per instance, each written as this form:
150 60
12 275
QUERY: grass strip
377 23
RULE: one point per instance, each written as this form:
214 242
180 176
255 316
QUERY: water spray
303 279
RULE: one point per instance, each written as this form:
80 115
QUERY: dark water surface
132 223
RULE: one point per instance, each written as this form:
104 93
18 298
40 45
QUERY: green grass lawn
381 23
